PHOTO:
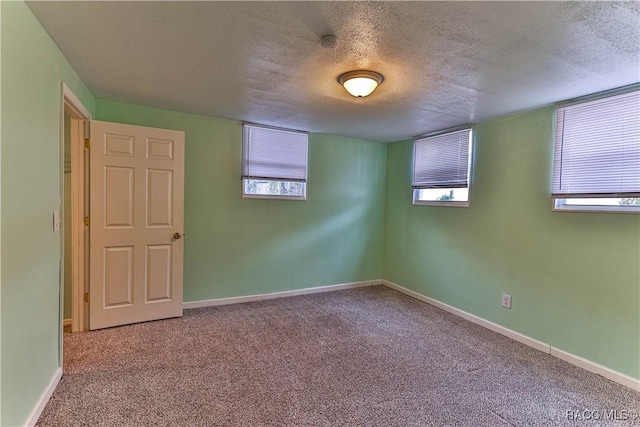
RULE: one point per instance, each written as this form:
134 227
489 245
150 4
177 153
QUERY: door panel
118 280
158 274
159 198
159 149
119 145
136 207
119 195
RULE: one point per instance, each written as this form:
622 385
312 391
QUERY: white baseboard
32 419
538 345
590 366
282 294
67 322
472 318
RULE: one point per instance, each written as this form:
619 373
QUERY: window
274 163
597 155
441 168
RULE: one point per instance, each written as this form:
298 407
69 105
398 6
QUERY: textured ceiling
444 63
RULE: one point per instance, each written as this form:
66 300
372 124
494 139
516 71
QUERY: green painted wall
32 71
574 277
236 246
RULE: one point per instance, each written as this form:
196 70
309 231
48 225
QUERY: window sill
266 196
557 206
442 204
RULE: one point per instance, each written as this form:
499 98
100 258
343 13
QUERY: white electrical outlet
506 301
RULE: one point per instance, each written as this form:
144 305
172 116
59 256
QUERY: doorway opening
74 206
134 208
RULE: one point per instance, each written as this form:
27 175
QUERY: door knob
177 236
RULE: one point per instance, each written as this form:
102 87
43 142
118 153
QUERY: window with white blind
274 163
597 155
442 168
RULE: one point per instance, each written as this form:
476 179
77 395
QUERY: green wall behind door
574 277
236 246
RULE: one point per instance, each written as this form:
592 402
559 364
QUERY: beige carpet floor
359 357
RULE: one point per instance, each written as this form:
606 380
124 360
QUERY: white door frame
72 105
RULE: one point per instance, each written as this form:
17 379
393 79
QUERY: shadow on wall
328 244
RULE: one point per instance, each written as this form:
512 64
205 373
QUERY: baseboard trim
590 366
66 322
273 295
583 363
538 345
32 419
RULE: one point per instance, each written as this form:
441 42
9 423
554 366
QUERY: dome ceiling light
360 83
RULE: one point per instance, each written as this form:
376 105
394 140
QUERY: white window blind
442 161
597 148
274 154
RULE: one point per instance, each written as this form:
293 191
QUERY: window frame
448 203
558 204
244 180
273 196
558 201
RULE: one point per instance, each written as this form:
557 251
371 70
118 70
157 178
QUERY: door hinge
86 297
87 221
87 143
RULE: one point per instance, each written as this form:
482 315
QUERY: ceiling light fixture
360 83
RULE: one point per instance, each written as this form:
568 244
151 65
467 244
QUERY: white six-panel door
136 224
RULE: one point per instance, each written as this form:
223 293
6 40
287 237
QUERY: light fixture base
329 41
360 83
